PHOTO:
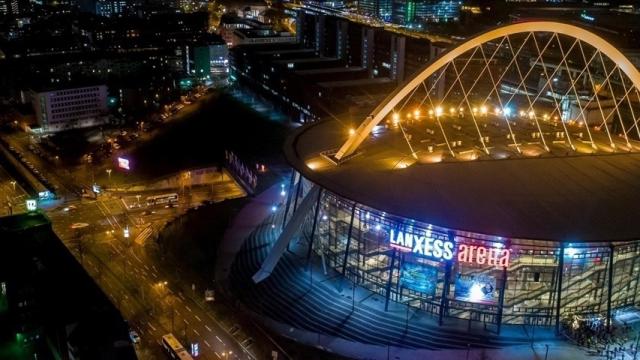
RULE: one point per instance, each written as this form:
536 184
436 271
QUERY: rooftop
573 196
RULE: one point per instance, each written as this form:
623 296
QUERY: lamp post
109 174
13 183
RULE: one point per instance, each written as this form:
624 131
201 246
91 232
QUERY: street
154 299
12 195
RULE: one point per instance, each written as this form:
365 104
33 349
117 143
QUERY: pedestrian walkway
249 218
325 311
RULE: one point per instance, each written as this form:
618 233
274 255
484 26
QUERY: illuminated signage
32 205
421 245
483 255
425 245
475 288
43 195
195 349
587 17
123 163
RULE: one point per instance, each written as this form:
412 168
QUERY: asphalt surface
155 299
12 195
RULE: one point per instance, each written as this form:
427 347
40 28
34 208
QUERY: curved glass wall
487 280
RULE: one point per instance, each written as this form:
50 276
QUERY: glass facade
487 280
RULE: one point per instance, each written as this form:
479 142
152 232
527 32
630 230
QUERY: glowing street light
416 113
396 118
452 110
439 111
13 183
483 110
352 131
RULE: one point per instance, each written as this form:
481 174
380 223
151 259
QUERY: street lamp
13 182
109 173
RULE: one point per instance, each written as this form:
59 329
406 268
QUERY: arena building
480 203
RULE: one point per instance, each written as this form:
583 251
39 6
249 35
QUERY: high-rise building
380 9
408 12
9 7
109 8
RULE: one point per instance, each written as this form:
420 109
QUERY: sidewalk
242 226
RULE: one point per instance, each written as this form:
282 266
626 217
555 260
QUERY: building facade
65 109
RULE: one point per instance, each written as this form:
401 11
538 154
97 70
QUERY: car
133 335
79 225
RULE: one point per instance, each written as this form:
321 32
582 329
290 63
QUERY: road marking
217 355
196 331
185 320
208 328
209 345
137 258
188 308
151 326
196 316
219 340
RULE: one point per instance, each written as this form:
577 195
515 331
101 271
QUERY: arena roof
569 198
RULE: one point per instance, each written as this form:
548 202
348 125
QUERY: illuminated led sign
421 245
32 205
483 255
426 246
123 163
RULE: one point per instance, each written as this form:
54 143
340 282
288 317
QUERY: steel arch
382 110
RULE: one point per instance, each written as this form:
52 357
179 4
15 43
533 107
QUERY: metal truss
551 81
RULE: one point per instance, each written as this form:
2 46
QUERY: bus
173 347
162 199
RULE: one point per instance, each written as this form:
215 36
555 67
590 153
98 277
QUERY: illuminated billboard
420 278
123 163
478 288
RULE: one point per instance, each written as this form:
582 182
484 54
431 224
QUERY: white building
64 109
